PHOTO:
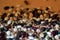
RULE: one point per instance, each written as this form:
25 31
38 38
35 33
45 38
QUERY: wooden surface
33 3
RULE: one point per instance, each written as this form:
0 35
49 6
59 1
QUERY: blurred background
55 4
